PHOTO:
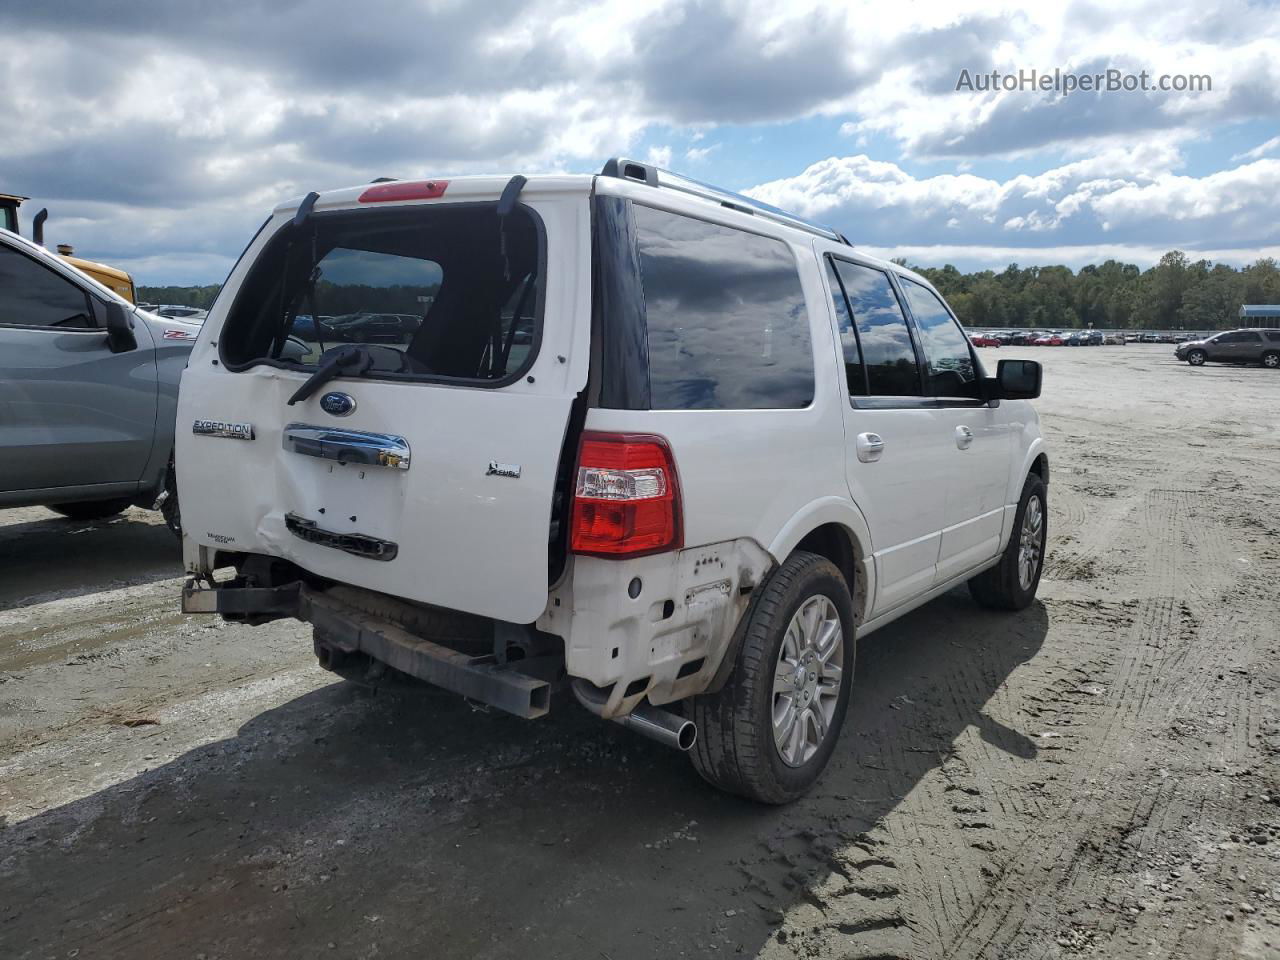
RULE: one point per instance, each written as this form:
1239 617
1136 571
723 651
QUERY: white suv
644 439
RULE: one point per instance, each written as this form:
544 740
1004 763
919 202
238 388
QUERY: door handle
869 447
348 446
964 437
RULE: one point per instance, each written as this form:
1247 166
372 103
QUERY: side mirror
119 328
1017 380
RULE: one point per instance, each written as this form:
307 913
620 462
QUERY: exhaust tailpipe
37 226
661 725
647 720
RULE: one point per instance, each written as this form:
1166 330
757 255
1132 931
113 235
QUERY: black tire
1000 587
90 509
170 510
1197 358
735 749
1271 360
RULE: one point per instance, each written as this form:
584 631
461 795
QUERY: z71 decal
177 335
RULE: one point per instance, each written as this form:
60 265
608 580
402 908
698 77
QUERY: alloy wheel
1030 543
806 680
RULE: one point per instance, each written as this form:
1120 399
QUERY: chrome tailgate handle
348 446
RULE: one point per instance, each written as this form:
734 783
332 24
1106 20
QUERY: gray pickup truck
88 391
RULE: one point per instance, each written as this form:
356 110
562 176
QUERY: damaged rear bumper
343 628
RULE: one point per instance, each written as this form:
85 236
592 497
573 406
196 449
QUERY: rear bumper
343 628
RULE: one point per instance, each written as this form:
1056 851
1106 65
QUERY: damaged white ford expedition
625 435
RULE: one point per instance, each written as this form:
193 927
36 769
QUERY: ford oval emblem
338 404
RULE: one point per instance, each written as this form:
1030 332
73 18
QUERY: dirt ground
1098 776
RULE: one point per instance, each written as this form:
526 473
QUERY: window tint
447 292
854 374
33 295
948 358
888 358
726 321
1238 336
1271 334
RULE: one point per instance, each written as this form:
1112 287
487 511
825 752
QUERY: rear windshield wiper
354 361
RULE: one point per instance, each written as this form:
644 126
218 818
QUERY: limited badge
497 469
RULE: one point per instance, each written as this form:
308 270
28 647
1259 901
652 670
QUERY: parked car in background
178 312
654 503
1095 338
1022 338
88 391
1050 340
1074 339
983 340
1233 346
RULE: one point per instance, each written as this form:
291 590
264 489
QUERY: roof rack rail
625 169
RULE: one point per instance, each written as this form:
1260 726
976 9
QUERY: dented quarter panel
613 638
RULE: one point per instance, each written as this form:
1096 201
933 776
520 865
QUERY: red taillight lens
626 500
404 190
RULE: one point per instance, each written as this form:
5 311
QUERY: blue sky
159 134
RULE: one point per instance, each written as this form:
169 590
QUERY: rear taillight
405 190
626 500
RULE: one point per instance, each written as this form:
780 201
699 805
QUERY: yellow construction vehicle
110 277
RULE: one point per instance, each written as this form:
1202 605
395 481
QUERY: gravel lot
1097 776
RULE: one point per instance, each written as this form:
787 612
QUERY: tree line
1175 294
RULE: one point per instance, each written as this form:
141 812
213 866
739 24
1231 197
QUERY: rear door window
436 293
32 295
888 357
726 322
949 366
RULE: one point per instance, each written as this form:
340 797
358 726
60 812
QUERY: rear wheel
1197 358
768 734
1271 360
1012 583
90 509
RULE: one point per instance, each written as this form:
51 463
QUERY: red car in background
1050 340
983 340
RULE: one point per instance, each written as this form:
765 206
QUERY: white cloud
1139 199
700 154
1260 151
158 150
659 156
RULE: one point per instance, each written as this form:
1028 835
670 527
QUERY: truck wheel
1197 358
768 733
90 509
170 510
1011 584
1271 360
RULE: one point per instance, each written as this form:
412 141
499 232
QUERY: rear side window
438 293
949 366
1272 335
888 357
1238 336
725 317
32 295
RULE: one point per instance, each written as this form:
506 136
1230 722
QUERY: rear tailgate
415 481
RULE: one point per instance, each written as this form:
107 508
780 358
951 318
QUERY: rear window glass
726 321
428 292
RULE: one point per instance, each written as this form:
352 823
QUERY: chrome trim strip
347 446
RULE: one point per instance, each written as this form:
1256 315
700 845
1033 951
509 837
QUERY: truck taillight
626 500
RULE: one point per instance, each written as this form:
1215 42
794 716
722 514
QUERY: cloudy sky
160 132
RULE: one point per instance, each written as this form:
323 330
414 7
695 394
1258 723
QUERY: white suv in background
646 439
